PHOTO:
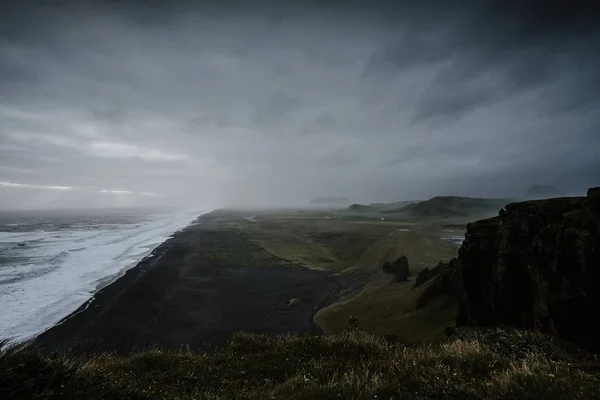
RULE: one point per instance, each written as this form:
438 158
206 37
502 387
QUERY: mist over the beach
106 103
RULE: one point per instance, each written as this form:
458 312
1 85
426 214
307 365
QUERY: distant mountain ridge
379 207
542 192
436 207
454 206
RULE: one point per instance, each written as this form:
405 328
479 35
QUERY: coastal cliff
534 266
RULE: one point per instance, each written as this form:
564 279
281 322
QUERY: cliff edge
535 266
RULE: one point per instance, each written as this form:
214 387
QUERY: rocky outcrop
445 278
427 274
398 268
535 266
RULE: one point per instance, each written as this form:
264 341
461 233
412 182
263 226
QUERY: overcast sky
253 103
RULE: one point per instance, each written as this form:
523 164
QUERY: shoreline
109 281
105 294
194 290
53 267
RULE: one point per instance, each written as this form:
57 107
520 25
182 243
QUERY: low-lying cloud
81 189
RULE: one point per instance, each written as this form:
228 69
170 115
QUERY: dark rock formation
446 279
536 266
398 268
428 274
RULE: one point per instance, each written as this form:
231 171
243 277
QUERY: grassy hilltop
439 207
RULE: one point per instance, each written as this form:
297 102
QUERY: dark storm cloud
278 102
497 50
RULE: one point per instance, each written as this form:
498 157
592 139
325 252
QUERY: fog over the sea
120 103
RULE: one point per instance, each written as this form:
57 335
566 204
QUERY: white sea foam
457 240
63 269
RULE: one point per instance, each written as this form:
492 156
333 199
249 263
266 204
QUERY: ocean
52 262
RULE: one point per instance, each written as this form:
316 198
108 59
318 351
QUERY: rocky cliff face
398 268
535 266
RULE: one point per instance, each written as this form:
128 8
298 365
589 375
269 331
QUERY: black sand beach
195 290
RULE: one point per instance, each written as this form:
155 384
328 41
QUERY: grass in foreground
472 365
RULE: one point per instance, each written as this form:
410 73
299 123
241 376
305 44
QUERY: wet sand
195 290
